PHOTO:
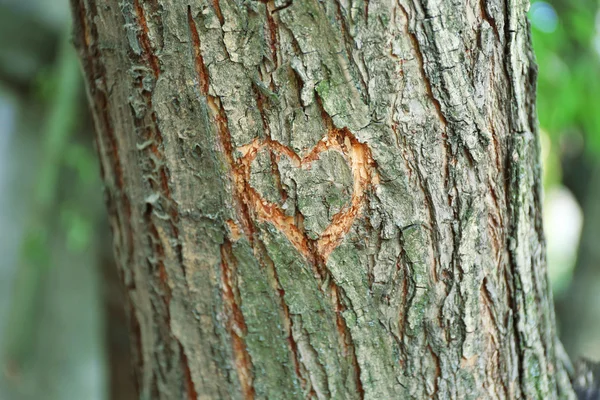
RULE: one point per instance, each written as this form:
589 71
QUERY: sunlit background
63 334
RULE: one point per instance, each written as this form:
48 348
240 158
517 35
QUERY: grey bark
334 199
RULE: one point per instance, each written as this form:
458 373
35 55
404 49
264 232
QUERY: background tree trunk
578 329
334 199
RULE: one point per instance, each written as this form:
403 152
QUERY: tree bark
324 199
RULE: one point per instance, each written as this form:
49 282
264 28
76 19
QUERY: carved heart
356 154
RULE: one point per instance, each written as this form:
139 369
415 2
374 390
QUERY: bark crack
235 321
144 38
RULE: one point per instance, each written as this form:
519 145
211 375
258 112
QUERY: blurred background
63 333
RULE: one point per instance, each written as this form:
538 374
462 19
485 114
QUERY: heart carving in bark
358 157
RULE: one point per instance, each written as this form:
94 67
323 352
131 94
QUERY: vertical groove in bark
235 322
317 199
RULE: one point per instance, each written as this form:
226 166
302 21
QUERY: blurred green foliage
566 40
567 44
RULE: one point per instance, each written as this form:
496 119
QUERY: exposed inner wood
356 154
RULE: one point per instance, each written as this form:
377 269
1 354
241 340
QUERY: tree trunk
324 199
579 330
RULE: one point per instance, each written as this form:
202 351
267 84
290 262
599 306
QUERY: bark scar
357 154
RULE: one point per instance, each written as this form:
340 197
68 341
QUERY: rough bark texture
325 199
